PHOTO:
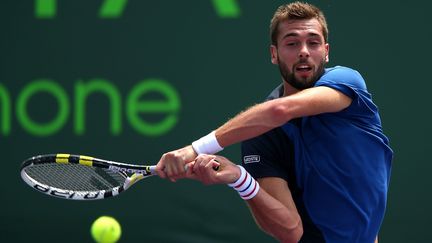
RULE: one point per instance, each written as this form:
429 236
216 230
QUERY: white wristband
246 185
242 177
207 144
253 192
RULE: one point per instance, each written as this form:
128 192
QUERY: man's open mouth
303 68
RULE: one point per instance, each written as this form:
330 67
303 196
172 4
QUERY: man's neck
288 89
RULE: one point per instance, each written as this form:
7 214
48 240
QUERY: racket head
77 177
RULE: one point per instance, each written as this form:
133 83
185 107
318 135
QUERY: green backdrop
130 80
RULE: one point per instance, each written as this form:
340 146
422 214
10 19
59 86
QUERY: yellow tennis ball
106 229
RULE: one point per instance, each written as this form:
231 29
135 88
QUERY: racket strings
75 177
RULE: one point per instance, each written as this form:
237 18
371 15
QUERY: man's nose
304 51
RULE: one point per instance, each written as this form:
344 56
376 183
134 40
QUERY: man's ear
274 54
327 47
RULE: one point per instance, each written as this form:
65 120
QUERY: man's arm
257 120
272 207
274 113
275 212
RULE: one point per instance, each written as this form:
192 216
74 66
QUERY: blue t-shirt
272 155
343 162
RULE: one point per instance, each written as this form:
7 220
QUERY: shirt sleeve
351 83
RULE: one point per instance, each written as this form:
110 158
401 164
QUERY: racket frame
138 172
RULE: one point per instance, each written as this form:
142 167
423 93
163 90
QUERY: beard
300 83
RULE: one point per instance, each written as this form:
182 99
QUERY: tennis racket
78 177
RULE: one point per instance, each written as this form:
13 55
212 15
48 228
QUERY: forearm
251 123
271 203
275 218
274 113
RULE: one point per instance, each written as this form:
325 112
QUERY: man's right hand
213 169
172 164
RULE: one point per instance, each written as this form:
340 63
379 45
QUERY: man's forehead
297 26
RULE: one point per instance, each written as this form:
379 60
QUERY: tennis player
316 164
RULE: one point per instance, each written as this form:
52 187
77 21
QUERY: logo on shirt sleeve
251 159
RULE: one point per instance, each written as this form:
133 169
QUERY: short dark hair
296 11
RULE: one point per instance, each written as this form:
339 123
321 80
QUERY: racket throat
132 180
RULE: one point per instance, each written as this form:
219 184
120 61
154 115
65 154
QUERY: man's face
301 52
